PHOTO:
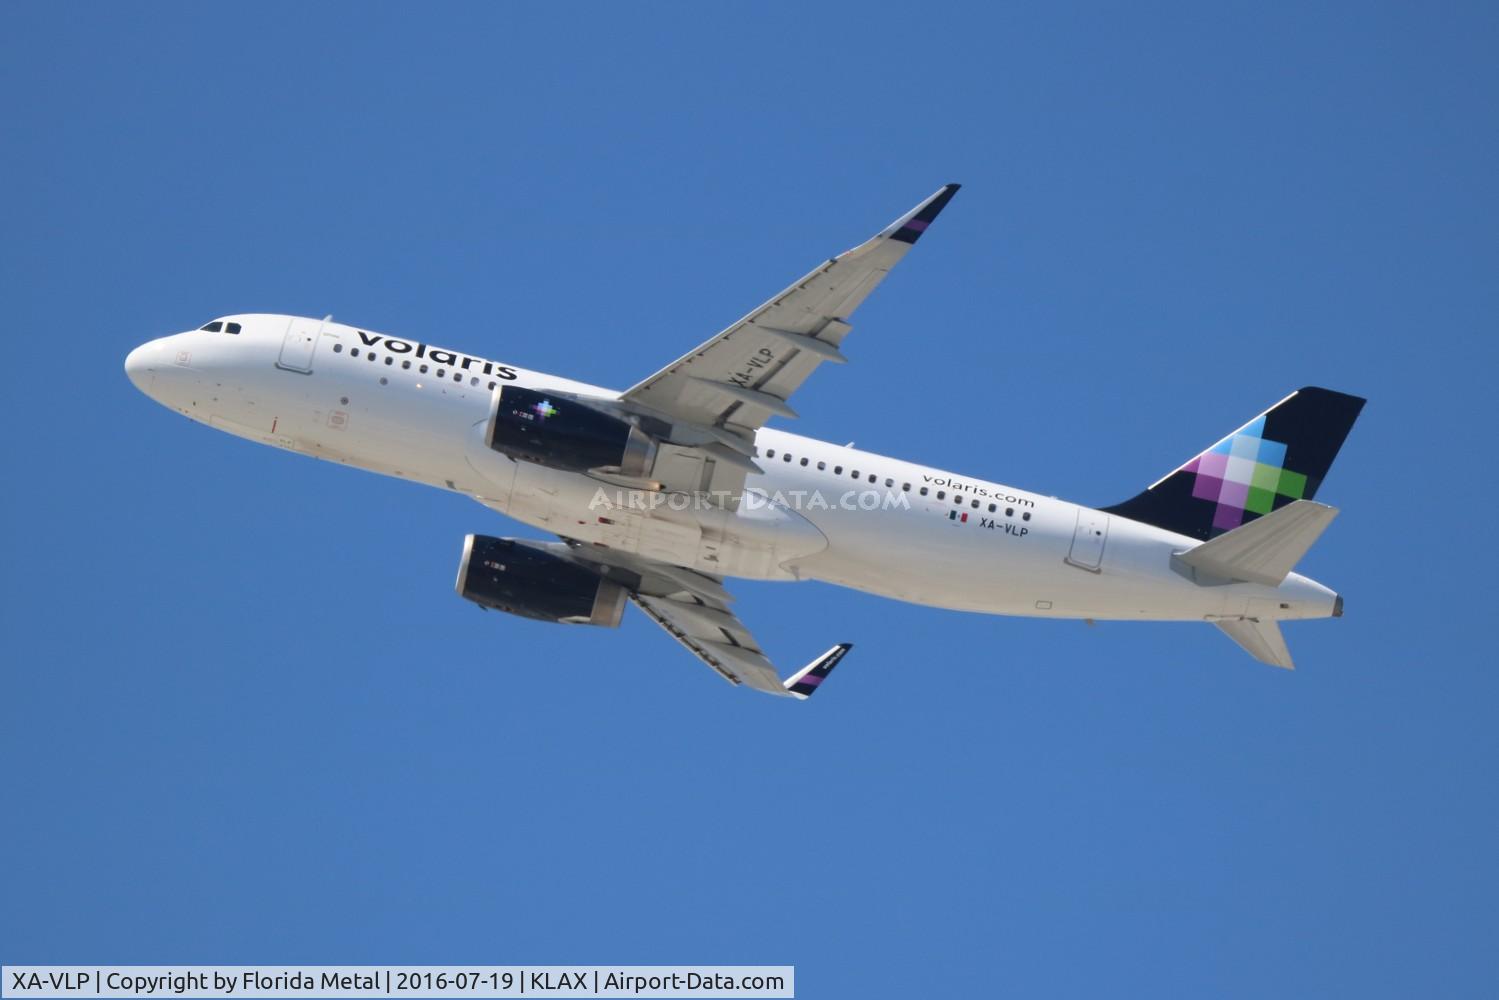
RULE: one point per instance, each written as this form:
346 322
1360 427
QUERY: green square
1259 501
1266 477
1292 484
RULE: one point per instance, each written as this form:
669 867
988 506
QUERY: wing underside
715 635
743 376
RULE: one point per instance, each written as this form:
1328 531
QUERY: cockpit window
213 327
231 328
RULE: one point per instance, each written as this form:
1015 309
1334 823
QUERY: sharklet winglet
804 683
909 227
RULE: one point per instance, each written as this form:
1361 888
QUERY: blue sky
246 719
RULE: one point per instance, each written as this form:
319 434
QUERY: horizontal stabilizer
1264 550
1260 639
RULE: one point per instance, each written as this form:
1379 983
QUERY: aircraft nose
139 364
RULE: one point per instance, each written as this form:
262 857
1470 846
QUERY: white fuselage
899 529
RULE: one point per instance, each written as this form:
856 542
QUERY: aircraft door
299 344
1088 539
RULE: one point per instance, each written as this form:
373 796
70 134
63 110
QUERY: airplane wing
694 609
742 377
716 636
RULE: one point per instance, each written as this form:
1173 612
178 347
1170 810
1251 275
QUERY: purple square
1227 518
1234 494
1212 464
1192 465
1206 487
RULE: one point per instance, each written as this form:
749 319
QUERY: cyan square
1245 446
1273 453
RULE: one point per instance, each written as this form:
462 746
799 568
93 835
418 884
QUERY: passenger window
770 453
785 456
354 352
906 487
889 482
855 473
957 499
231 328
338 348
941 494
992 508
975 505
1009 512
423 369
442 373
923 491
369 355
389 360
804 463
1026 516
821 466
213 327
474 380
491 387
406 365
837 470
457 376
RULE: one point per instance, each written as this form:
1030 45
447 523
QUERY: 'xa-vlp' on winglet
804 683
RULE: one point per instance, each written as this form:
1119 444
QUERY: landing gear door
299 344
1088 540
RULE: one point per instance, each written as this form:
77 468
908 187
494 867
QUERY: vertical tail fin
1277 458
1261 639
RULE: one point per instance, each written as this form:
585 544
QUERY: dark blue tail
1280 456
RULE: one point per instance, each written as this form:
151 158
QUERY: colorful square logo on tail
1244 472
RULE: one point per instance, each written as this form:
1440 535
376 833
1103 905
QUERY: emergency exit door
1088 539
298 345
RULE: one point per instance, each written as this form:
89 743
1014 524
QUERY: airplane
662 492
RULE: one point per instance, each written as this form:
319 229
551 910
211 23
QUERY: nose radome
138 365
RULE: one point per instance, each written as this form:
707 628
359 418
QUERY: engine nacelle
526 579
562 432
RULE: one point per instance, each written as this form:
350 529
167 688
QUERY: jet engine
563 432
537 580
